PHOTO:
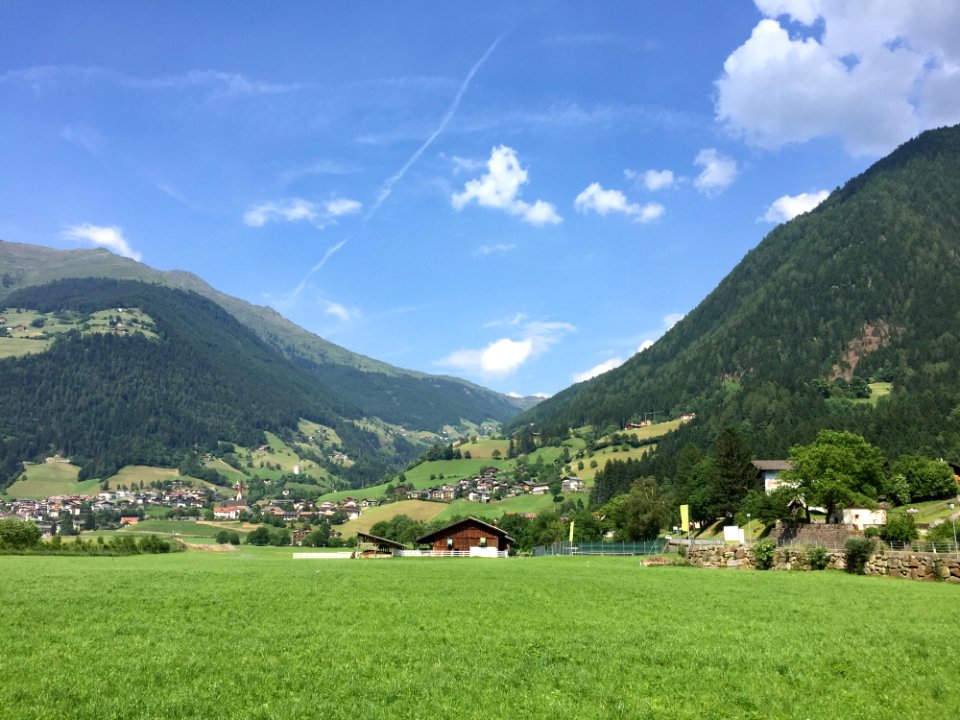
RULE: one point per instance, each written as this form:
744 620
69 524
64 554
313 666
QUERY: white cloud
597 370
339 311
498 248
106 237
500 188
652 180
297 209
875 75
787 207
645 345
542 396
601 201
505 355
514 394
342 206
719 172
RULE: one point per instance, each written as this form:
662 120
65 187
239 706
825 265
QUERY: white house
862 518
770 471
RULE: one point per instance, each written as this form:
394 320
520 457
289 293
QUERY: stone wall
832 536
911 565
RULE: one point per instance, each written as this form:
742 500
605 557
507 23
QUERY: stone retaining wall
911 565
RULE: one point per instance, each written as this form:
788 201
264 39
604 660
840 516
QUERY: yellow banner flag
685 518
571 531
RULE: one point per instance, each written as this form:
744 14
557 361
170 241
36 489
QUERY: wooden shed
372 546
466 534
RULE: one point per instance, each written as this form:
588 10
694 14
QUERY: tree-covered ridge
109 401
401 397
862 287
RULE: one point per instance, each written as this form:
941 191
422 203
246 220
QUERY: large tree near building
837 470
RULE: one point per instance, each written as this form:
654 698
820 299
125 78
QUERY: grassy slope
46 479
490 639
415 509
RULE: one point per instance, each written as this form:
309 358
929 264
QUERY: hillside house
468 536
770 472
862 518
228 512
572 483
536 487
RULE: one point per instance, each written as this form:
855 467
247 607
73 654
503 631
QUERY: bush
763 553
899 528
872 532
856 552
818 557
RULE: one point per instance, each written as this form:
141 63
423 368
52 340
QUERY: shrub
763 553
872 532
818 557
856 552
942 533
899 528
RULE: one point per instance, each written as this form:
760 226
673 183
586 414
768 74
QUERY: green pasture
131 475
46 479
321 434
18 346
483 448
877 390
207 635
414 509
518 504
37 339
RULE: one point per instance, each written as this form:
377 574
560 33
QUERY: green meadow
255 634
46 479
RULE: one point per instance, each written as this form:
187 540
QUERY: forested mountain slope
402 397
865 286
108 400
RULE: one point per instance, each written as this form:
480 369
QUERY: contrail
316 268
394 179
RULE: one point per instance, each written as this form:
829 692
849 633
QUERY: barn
373 546
468 537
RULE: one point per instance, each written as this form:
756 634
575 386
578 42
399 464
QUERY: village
112 509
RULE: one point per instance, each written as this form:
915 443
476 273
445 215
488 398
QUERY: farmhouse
228 512
572 483
861 517
468 536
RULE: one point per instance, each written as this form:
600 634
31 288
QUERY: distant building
862 518
466 535
770 471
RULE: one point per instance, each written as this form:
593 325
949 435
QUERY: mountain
863 288
185 377
402 397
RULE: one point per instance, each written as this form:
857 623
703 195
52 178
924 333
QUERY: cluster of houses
299 510
48 513
770 472
486 486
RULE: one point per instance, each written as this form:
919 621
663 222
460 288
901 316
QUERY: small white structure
770 471
862 518
733 534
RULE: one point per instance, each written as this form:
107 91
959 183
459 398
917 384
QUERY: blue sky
521 194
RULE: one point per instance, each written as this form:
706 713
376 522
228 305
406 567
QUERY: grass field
518 504
254 634
46 479
414 509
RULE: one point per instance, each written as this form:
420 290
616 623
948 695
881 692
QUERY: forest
860 290
107 400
